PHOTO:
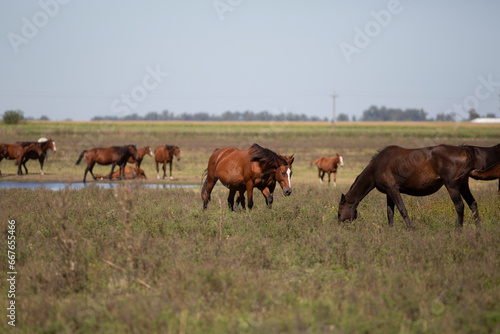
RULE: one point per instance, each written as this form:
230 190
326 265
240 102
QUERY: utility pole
334 96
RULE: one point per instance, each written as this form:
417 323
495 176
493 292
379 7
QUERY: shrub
13 116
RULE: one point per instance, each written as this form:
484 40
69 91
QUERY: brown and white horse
141 152
329 166
243 170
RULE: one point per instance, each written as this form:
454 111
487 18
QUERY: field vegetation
131 259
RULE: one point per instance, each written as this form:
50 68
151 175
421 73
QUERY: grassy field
140 260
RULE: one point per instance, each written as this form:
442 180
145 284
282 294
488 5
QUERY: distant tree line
375 113
204 116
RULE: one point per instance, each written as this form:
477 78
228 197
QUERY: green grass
151 260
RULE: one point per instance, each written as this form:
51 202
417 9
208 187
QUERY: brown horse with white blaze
243 170
141 153
115 155
416 172
328 166
165 154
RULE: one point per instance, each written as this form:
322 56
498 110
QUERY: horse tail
204 180
81 157
314 162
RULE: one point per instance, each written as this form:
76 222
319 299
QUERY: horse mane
266 157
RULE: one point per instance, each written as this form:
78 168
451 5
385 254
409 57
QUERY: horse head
148 151
341 160
284 175
177 152
347 211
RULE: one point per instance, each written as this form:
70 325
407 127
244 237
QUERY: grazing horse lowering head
347 211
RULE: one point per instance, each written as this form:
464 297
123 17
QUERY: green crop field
132 259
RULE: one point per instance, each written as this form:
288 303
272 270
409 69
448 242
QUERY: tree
473 114
13 116
342 118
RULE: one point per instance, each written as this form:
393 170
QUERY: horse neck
363 184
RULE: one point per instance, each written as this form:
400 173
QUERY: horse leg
471 202
164 170
329 178
268 195
157 171
230 199
454 192
334 179
321 176
41 165
240 199
89 168
395 197
250 195
207 189
19 165
390 211
112 169
171 169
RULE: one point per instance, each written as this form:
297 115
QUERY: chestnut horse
165 154
417 172
243 170
484 159
328 165
115 155
141 152
130 174
23 151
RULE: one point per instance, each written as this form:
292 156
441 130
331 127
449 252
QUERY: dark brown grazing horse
23 151
484 159
417 172
115 155
328 165
142 152
165 154
130 174
243 170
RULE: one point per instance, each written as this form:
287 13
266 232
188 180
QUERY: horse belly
421 186
232 176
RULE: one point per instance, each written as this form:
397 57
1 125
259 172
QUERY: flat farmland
139 260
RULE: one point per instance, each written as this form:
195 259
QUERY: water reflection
79 185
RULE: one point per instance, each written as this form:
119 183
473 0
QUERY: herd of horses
393 171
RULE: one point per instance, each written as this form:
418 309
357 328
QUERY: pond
78 185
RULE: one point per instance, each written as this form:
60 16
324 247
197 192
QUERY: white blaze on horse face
54 143
289 172
341 161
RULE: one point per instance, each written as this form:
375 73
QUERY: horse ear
342 199
291 158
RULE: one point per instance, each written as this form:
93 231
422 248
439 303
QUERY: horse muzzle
287 191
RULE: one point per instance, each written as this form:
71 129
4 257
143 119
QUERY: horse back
232 166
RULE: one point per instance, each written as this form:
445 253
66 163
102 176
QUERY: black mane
266 157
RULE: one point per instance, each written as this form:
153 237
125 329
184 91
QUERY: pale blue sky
78 59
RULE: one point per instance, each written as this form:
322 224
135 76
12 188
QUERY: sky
80 59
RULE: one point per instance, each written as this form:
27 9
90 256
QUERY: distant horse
23 151
165 154
36 150
328 165
142 152
130 174
243 170
115 155
417 172
484 159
